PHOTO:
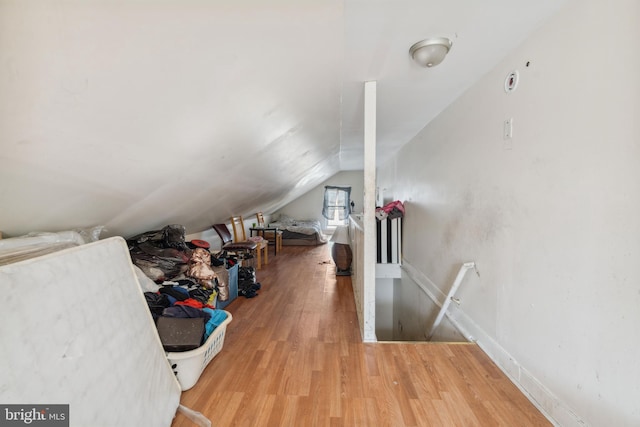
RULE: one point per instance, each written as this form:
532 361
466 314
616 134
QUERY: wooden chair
240 235
275 236
240 248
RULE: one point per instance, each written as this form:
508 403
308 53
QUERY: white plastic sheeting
76 330
40 243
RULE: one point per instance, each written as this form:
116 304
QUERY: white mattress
76 330
301 229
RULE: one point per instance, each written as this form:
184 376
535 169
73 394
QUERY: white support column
369 220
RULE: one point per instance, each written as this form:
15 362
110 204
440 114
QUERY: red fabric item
201 243
190 302
397 204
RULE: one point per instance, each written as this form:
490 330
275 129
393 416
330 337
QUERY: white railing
450 296
356 234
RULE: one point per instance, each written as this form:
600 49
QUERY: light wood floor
293 356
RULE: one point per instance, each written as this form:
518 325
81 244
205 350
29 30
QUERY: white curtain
336 201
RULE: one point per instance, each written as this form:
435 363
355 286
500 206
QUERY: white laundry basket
190 364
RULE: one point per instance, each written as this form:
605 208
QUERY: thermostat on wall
511 82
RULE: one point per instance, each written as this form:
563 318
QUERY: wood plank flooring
293 356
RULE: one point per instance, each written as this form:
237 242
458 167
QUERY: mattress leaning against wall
76 330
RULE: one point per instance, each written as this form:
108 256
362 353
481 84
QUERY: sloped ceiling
134 114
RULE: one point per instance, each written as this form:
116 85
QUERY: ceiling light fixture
430 52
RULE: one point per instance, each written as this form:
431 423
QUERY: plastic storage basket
232 279
190 364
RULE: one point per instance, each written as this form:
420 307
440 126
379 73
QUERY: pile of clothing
163 255
185 286
186 299
228 259
391 210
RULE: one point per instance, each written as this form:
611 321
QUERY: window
336 208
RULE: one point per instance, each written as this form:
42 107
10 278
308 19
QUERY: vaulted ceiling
134 114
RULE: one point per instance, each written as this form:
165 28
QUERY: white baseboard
552 408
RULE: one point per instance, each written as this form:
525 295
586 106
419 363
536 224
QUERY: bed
300 232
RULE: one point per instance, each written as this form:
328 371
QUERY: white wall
309 205
551 218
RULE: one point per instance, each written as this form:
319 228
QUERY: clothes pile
188 284
163 255
391 210
228 259
186 299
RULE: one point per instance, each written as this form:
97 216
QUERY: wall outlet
508 129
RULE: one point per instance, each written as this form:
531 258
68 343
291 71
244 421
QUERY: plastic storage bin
233 287
190 364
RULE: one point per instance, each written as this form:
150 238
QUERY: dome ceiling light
430 52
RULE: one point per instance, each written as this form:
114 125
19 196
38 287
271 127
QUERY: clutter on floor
188 283
248 286
177 284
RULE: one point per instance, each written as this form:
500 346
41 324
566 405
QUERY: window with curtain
336 208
